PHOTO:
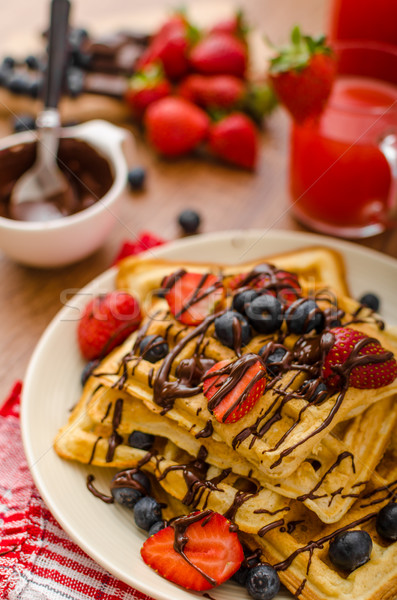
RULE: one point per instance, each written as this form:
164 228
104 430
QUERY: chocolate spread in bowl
88 172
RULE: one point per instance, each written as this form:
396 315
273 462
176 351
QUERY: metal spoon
43 192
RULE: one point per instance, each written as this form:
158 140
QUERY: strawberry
232 402
145 87
170 46
143 242
302 76
211 548
219 54
351 345
235 140
213 91
283 284
106 321
175 126
234 25
193 296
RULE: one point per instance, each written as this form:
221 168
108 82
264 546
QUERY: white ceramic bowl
69 239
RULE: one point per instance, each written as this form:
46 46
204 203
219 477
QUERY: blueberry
350 549
265 313
88 369
318 391
386 522
241 300
140 440
226 329
81 59
250 561
304 316
18 84
77 37
136 178
24 123
153 348
32 62
370 300
147 512
273 359
74 81
8 62
156 527
262 582
127 495
189 220
35 88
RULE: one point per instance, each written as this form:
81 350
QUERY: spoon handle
57 48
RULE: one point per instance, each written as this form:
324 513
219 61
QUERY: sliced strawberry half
283 284
361 359
212 549
193 296
233 388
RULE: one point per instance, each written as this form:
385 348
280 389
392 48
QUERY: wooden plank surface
226 198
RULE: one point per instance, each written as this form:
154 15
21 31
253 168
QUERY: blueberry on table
147 512
303 316
265 313
370 300
386 522
140 440
32 62
24 123
350 550
18 84
230 326
153 348
243 299
156 527
8 62
136 178
189 220
262 582
273 360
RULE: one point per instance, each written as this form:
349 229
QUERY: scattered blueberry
140 440
24 123
74 81
350 549
18 84
153 348
128 495
77 36
8 62
304 316
136 178
241 300
88 369
262 582
4 76
147 512
81 59
272 360
386 522
265 313
225 329
189 220
156 527
32 62
370 300
35 88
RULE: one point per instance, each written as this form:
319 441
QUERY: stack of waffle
294 471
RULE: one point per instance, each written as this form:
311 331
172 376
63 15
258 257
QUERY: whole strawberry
107 320
145 87
219 54
175 126
359 359
302 75
234 25
213 91
235 140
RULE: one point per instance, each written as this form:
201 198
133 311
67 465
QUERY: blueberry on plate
274 359
370 300
126 493
147 512
189 220
230 326
243 299
386 522
304 316
140 440
136 178
265 313
88 369
350 550
156 527
262 582
153 348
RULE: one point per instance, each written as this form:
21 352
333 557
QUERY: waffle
291 471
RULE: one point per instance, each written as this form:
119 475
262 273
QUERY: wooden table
226 198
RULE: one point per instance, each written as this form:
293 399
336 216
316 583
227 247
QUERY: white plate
52 386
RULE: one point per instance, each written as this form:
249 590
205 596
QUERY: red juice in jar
364 20
340 181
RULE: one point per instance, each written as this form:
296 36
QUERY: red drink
365 20
341 167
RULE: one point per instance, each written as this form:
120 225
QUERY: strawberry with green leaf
145 87
302 75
